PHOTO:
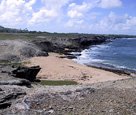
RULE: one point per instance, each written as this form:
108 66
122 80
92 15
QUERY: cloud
110 24
83 12
50 4
30 3
74 23
70 15
115 23
74 14
50 11
15 12
77 14
110 3
43 16
77 11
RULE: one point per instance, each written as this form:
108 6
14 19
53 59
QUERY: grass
34 36
20 63
16 64
55 83
4 62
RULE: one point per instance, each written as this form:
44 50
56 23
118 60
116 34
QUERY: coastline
56 68
99 63
98 92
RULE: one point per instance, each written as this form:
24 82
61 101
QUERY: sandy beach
55 68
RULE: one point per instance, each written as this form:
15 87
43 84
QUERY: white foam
88 55
130 38
117 66
75 53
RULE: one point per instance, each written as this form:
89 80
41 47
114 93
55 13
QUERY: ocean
119 53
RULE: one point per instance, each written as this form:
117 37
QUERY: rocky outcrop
65 45
17 50
28 73
20 49
7 97
20 82
47 103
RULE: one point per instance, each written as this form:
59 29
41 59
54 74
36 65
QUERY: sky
70 16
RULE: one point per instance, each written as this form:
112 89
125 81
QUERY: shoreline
56 68
116 71
104 66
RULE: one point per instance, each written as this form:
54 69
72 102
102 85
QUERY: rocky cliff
20 49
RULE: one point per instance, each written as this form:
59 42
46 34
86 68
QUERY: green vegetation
33 35
16 64
11 33
4 62
20 63
55 83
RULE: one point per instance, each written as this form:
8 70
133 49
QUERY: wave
102 46
87 60
75 53
100 55
129 38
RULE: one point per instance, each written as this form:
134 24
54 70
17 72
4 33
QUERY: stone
6 97
20 82
28 73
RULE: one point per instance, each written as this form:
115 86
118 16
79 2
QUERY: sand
55 68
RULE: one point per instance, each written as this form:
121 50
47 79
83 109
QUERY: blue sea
119 53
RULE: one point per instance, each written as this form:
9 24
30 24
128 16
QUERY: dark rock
89 90
42 54
68 93
20 82
45 46
86 91
68 56
78 90
5 105
71 43
7 97
37 80
3 71
28 73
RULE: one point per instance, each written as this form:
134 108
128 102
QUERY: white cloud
51 11
76 11
43 16
80 11
55 3
74 23
15 12
74 14
110 3
30 3
115 24
61 14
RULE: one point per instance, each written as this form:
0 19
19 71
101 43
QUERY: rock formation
28 73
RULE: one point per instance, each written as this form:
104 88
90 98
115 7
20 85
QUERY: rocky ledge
116 97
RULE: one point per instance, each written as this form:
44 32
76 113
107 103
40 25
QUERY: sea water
119 53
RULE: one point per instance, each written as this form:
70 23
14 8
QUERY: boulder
28 73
